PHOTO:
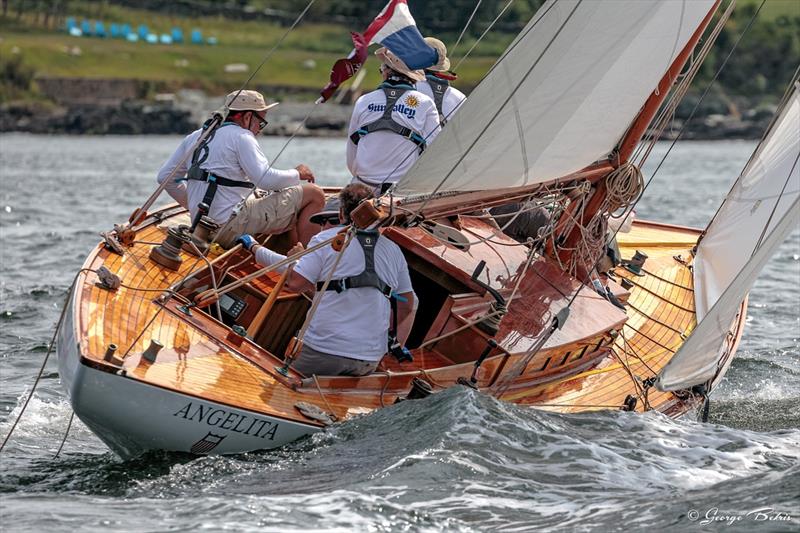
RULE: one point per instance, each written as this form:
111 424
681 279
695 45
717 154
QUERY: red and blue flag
394 28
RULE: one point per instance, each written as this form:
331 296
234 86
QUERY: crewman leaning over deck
369 305
386 139
225 171
436 84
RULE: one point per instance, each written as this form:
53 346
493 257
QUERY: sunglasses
262 121
332 220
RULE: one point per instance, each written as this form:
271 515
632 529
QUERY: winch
168 253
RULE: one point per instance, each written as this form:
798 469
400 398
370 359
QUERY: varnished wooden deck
576 371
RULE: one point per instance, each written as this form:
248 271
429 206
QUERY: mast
628 144
632 137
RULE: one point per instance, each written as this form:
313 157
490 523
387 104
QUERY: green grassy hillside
31 43
303 60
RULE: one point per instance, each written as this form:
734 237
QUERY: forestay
561 96
759 212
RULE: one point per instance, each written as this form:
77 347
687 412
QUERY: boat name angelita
248 425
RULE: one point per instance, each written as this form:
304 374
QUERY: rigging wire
502 106
461 60
538 345
66 434
463 31
475 44
757 151
46 358
217 119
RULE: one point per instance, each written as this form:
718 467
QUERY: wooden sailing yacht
190 356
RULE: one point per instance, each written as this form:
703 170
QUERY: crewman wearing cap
437 86
390 126
222 173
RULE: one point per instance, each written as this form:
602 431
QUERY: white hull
132 417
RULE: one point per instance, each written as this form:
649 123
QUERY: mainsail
759 212
561 96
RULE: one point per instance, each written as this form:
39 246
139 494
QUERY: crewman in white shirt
369 306
436 84
223 171
386 139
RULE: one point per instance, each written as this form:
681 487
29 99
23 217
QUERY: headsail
759 212
561 96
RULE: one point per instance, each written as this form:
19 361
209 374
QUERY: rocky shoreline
182 112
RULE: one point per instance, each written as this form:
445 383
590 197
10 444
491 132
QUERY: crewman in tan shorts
221 172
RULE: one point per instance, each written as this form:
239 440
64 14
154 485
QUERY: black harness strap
198 174
368 239
386 122
439 88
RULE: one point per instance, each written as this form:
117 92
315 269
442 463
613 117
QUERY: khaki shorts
263 212
311 361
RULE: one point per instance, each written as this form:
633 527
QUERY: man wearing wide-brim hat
230 169
390 126
437 81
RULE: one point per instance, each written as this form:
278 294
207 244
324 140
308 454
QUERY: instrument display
232 305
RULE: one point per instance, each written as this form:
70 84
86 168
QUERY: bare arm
297 283
406 311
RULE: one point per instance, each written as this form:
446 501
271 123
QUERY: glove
247 241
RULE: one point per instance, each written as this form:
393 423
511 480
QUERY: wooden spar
255 325
653 103
635 132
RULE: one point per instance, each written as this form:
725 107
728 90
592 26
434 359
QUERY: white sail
756 216
562 95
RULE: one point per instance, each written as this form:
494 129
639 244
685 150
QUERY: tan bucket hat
443 65
395 63
247 101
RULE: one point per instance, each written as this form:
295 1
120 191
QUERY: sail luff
756 216
698 359
770 127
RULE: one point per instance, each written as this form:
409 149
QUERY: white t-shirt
355 322
450 102
233 153
385 155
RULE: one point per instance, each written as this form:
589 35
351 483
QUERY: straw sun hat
247 101
443 65
397 64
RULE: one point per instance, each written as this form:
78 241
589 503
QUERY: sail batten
756 216
568 87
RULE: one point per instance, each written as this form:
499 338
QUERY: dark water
458 461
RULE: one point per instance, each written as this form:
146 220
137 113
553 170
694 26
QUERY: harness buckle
338 285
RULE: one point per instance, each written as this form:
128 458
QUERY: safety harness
214 182
386 122
368 239
369 277
439 87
